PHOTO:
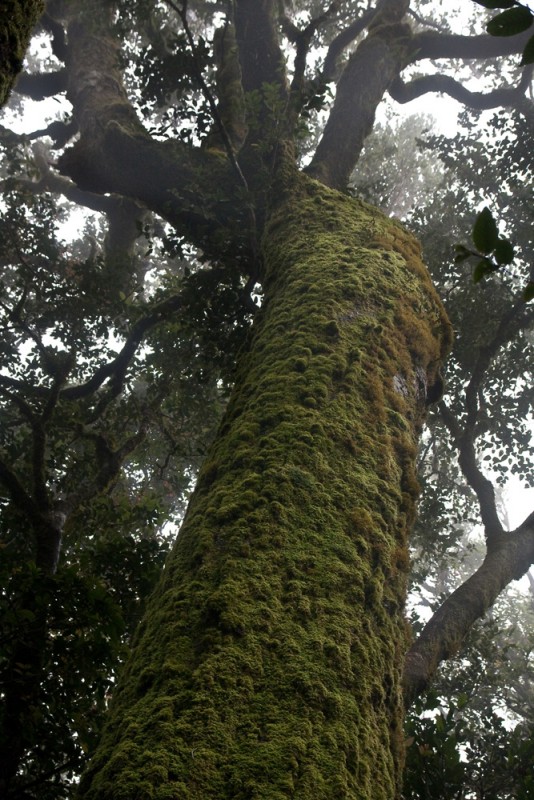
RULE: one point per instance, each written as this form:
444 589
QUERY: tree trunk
17 21
269 662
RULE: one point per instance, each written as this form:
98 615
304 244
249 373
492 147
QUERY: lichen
268 664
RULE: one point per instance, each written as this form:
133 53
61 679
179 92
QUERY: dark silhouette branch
20 497
60 132
464 434
430 44
116 369
403 92
302 40
109 465
483 488
57 32
39 86
442 636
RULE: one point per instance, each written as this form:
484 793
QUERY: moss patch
268 664
17 21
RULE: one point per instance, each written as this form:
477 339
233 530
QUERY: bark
115 154
375 64
17 21
269 662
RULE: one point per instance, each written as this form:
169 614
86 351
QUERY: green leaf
485 233
515 20
493 4
504 252
528 53
528 294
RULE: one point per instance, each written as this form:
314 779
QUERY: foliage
116 364
515 19
61 315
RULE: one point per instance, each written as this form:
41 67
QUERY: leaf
493 4
485 234
504 252
515 20
528 294
528 53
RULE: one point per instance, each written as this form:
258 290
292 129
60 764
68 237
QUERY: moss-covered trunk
17 21
268 664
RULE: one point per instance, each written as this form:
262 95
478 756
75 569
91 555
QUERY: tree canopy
183 142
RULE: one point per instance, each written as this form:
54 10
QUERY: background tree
278 632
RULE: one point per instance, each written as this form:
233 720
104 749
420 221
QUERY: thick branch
115 154
262 60
444 633
264 74
430 44
231 100
377 62
342 41
41 85
445 84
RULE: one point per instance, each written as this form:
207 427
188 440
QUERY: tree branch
444 633
20 497
115 154
302 40
406 92
182 13
377 61
515 319
342 41
40 85
262 60
116 368
430 44
483 488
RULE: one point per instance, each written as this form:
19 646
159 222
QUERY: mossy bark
268 665
17 21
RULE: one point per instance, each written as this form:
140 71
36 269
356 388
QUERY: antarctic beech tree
270 661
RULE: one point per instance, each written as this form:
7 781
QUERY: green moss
280 609
17 21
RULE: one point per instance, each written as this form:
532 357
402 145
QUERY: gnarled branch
444 633
405 92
